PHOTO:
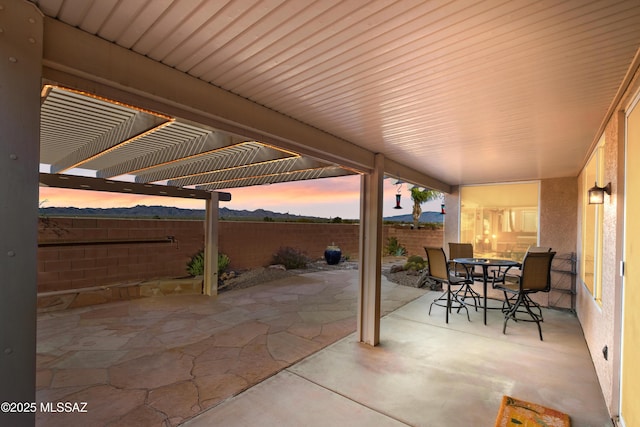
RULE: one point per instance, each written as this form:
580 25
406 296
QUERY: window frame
592 226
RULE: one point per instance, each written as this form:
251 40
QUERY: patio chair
538 249
513 274
536 277
439 272
462 250
465 250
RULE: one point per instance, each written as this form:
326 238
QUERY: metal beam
20 74
211 229
100 184
370 268
406 174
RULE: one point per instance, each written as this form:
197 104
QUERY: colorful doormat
514 412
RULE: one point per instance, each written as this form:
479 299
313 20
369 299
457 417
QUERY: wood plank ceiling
463 91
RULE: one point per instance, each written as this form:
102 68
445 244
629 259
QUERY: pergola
200 97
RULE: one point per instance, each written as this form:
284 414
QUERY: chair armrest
499 275
467 271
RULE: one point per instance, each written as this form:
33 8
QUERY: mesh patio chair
538 249
536 277
462 250
439 272
465 250
514 273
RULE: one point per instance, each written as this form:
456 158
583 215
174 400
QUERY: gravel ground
256 276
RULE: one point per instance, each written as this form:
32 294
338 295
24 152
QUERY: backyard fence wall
78 253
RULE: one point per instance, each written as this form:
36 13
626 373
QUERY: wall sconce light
398 195
596 194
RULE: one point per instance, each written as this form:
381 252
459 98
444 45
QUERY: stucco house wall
558 225
601 321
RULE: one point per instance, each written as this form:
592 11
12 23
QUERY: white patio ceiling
461 91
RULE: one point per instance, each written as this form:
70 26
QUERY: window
500 220
591 259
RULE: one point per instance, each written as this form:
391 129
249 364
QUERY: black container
332 255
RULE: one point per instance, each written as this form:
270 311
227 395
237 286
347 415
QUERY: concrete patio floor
289 344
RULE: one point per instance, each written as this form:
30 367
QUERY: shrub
291 258
195 267
223 263
415 263
393 247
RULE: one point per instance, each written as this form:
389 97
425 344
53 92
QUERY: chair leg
472 294
506 304
448 309
465 309
532 304
507 316
434 302
451 297
511 314
534 317
522 300
461 303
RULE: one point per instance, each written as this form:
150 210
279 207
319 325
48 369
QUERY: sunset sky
326 198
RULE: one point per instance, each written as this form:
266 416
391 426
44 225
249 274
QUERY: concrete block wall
253 244
415 240
79 262
86 264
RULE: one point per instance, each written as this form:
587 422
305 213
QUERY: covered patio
441 95
285 353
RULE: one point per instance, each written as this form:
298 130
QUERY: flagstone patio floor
159 361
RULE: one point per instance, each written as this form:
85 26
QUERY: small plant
415 263
393 247
291 258
223 263
195 267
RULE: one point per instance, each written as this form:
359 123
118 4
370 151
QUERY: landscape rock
396 269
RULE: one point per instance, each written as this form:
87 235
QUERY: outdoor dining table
485 263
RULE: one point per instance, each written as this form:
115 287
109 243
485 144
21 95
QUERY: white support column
21 29
371 194
211 247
